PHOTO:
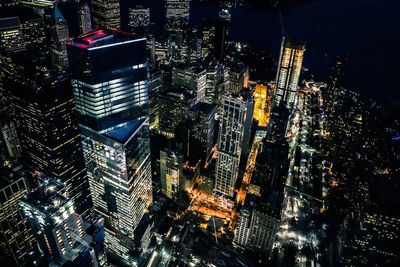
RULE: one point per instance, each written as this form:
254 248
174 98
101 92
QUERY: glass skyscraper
230 143
109 78
287 77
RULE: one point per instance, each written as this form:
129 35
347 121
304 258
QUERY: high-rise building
230 141
259 219
260 105
155 88
177 14
11 38
59 36
85 19
52 217
193 77
287 77
221 33
10 138
238 76
42 106
139 18
16 239
204 126
174 106
109 78
106 13
171 173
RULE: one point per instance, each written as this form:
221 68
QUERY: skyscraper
106 13
287 77
16 239
109 78
11 38
85 19
11 140
52 217
171 173
42 109
193 77
139 18
177 14
59 36
230 141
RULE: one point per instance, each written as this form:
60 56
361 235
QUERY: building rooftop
8 23
102 38
48 197
123 132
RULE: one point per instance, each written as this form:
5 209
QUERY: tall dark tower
221 33
59 36
109 79
43 111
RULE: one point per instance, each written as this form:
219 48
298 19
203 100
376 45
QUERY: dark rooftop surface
124 132
102 37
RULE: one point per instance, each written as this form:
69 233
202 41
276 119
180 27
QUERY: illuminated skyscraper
42 107
260 105
171 173
16 239
52 217
11 38
11 140
139 18
177 14
193 77
230 141
109 78
85 19
59 36
287 77
106 13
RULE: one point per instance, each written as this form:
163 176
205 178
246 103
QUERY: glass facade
287 77
230 140
109 79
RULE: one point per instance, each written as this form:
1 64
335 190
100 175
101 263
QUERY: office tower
287 77
171 173
204 126
259 219
11 38
230 141
43 112
52 217
10 138
85 19
59 36
16 239
193 77
109 79
221 33
174 106
238 76
106 13
260 105
33 30
156 86
139 18
177 14
215 83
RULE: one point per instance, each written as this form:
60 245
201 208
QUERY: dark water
368 31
